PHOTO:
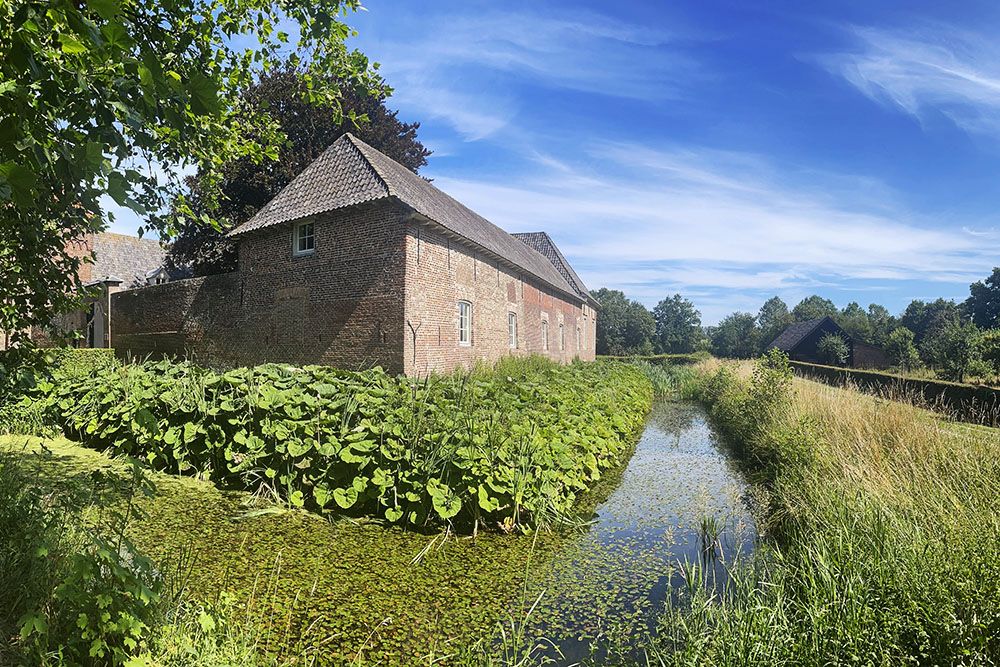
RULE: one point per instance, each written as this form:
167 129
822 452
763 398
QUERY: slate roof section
126 258
795 333
543 243
351 172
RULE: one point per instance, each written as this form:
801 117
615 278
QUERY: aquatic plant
510 447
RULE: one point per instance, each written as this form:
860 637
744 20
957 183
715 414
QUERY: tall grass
885 534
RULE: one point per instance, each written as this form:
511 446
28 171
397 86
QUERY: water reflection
680 500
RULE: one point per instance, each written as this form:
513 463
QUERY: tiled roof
351 172
544 244
125 258
794 334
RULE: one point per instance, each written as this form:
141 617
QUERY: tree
814 307
833 350
983 304
957 350
854 320
772 319
678 326
736 336
882 324
105 97
283 94
623 327
901 349
923 318
989 346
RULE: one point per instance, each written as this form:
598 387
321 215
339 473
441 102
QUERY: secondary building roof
124 258
544 244
351 172
797 332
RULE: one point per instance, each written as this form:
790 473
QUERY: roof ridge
357 144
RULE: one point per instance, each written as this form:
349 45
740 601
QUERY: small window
578 346
464 323
305 242
562 338
545 335
512 330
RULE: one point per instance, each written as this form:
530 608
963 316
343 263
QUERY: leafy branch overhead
109 97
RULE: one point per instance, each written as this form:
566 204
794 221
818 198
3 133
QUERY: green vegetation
884 525
510 447
91 92
833 350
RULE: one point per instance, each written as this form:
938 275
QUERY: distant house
800 341
360 262
120 262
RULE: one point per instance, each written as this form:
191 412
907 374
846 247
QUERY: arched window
464 323
545 335
512 330
562 337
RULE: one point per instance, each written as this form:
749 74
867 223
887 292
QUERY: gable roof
543 243
125 258
790 338
351 172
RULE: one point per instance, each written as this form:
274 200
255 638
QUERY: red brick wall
440 272
342 305
380 289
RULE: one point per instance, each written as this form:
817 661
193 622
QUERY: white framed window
578 346
512 330
304 239
545 335
464 323
562 337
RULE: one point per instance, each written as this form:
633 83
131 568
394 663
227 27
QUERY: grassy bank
885 533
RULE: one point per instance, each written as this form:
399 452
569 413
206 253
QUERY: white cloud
655 220
463 68
934 68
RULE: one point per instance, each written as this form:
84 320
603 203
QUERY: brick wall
379 289
198 318
441 271
341 305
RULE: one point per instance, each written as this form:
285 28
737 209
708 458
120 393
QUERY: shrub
511 446
833 350
902 350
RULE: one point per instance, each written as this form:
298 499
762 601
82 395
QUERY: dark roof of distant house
544 244
125 258
797 332
351 172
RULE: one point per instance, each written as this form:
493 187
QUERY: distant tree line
941 337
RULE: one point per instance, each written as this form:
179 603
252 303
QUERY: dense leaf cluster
509 447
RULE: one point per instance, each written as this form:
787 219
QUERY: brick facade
381 288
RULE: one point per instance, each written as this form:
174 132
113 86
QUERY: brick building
119 262
360 262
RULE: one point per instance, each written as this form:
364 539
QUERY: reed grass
884 524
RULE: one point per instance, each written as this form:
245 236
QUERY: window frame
467 329
545 335
512 330
297 237
562 337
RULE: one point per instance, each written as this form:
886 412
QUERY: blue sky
724 150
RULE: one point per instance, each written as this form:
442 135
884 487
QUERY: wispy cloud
651 220
467 67
927 69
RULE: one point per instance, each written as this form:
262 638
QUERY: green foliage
735 337
902 350
955 349
814 307
510 447
833 350
854 320
772 319
76 595
678 326
624 327
104 97
983 304
924 319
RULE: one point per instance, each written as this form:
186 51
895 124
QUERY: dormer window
305 241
